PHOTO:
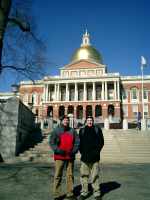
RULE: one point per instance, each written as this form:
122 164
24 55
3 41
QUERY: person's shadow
108 187
104 187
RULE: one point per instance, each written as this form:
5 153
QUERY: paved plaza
34 181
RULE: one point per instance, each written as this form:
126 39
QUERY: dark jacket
91 143
64 142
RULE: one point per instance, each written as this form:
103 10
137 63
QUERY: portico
82 91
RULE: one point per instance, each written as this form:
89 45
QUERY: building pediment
83 64
82 68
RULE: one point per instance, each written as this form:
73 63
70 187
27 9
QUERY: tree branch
24 26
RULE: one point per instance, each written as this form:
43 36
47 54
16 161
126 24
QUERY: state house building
84 87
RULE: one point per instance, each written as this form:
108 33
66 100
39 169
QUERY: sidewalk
34 181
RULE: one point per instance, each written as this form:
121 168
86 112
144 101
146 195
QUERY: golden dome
86 51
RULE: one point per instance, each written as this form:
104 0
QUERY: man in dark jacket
64 141
91 143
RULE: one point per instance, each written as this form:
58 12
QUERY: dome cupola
86 51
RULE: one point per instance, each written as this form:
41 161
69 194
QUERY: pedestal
143 124
125 124
106 124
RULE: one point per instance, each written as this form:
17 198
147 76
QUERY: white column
76 92
94 93
67 92
58 90
49 92
106 91
84 92
46 94
55 92
106 124
115 91
118 90
103 94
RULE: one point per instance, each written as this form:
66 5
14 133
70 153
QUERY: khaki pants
59 167
86 170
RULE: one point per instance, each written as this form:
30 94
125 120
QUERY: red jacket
66 141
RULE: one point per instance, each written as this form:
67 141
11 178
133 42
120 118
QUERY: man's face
65 122
89 122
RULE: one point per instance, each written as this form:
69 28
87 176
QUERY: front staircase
129 146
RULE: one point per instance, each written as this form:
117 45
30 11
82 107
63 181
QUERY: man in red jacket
64 141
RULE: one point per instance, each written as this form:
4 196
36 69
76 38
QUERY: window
63 93
80 94
66 74
110 94
89 92
110 91
91 72
135 110
71 94
98 92
134 94
73 73
99 72
82 73
145 110
145 95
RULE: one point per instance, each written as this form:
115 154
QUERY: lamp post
143 63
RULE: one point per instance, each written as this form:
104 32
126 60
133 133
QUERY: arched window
89 111
98 110
50 111
70 109
111 110
79 112
61 111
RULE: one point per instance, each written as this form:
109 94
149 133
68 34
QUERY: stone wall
16 126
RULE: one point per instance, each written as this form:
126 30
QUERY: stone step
119 147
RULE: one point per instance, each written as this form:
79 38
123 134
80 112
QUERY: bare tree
20 50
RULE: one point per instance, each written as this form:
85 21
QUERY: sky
119 30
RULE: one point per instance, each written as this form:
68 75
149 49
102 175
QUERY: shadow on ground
108 187
104 187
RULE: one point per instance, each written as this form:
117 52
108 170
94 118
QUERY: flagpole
143 63
142 92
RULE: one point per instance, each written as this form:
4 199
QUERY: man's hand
60 151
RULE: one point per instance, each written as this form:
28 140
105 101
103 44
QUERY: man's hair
90 117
